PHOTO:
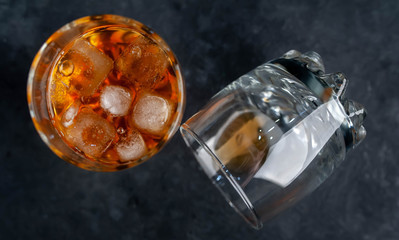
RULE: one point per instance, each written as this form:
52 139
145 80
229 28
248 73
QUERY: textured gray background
43 197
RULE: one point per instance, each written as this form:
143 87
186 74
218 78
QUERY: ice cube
132 147
142 62
70 113
59 92
90 133
116 100
151 113
86 66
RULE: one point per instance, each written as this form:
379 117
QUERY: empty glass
275 134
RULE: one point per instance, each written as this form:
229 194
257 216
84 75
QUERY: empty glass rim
253 219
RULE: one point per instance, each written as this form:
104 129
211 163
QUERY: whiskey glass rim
38 75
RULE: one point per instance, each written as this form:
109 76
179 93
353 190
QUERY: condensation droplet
66 68
136 51
120 130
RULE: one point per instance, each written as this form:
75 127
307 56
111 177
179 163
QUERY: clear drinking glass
275 134
105 92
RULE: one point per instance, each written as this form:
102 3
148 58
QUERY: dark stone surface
43 197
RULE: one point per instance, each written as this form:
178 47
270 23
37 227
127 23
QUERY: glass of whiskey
105 93
275 134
